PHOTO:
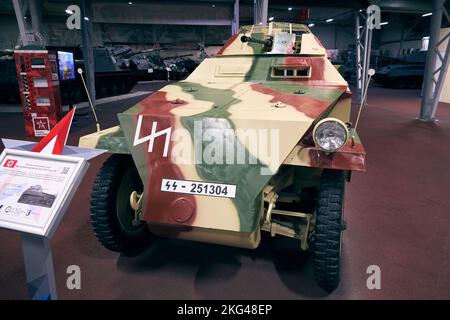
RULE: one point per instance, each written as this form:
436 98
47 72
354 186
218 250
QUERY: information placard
36 188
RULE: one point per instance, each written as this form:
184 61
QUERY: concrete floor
397 214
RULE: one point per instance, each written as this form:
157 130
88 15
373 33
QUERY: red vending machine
37 71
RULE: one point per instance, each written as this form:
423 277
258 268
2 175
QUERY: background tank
401 76
111 78
405 72
9 87
151 64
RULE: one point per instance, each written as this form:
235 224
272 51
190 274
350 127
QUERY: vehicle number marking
199 188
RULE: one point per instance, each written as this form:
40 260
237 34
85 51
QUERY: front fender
111 139
351 157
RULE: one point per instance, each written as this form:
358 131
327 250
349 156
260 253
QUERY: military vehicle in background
180 66
9 86
111 78
393 72
406 72
401 76
152 65
256 140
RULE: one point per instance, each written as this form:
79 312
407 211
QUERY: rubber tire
328 230
104 213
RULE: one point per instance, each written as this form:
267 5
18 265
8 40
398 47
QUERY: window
291 72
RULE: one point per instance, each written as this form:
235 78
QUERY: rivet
279 105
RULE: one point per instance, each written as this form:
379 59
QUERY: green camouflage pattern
246 88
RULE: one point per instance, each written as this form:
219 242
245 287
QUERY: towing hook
134 200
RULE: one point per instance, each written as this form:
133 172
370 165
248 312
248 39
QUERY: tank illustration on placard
36 196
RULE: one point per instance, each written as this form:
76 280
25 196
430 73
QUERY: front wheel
328 230
111 213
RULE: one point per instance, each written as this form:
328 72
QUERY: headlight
330 134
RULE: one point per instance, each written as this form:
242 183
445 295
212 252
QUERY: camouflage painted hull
223 95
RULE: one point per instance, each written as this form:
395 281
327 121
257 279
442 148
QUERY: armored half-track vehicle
256 140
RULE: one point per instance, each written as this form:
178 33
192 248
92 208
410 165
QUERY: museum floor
397 218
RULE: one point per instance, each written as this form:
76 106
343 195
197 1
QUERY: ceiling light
130 2
329 20
311 25
69 11
86 18
427 14
290 9
384 23
271 18
213 5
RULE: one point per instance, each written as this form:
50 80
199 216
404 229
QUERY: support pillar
36 15
363 51
20 16
435 75
359 49
88 51
260 8
39 267
235 22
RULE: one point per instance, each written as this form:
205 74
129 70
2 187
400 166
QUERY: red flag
55 140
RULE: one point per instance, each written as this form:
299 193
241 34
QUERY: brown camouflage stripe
307 105
160 207
227 44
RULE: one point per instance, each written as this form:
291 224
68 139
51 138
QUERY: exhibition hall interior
224 150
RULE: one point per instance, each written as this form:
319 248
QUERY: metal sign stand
39 269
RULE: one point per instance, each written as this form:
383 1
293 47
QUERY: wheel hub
128 203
